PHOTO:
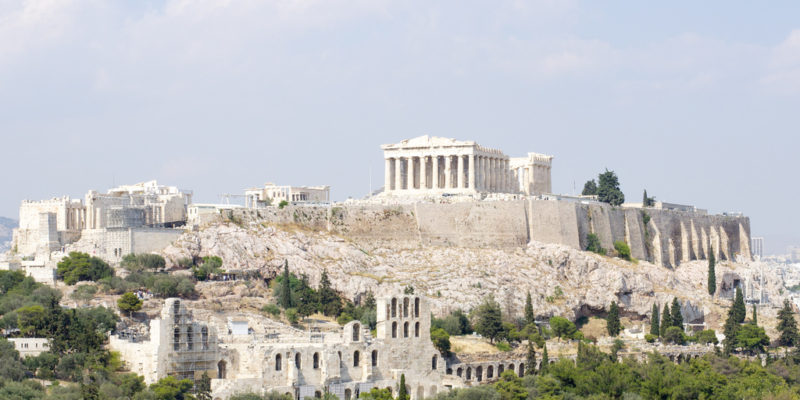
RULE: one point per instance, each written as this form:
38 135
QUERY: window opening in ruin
405 307
221 370
394 308
277 362
459 372
356 327
317 394
433 362
204 333
416 307
511 367
348 394
416 329
394 329
489 372
356 358
500 369
405 329
479 373
176 307
176 339
340 360
189 334
297 360
521 369
374 358
469 373
316 360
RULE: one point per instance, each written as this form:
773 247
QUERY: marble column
410 182
398 173
479 173
471 172
448 172
387 176
484 173
492 174
423 172
435 173
460 169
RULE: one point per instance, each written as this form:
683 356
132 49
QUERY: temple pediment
427 141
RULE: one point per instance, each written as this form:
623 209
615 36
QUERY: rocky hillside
7 226
561 280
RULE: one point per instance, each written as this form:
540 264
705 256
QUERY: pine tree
754 321
545 360
608 190
329 301
654 330
203 387
645 199
529 318
730 330
666 320
739 310
402 392
286 288
676 317
612 321
712 273
530 362
787 326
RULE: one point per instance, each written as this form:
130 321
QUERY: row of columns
474 172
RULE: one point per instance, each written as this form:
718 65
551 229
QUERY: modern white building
30 347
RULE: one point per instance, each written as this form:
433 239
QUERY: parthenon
435 165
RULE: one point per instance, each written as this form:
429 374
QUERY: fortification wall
660 236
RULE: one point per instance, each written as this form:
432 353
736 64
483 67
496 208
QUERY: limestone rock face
561 280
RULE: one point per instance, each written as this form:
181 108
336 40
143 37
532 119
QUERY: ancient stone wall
661 236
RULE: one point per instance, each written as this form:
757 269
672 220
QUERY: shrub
623 250
441 340
563 327
593 244
172 286
503 346
128 303
283 204
706 336
272 309
674 335
344 318
291 315
81 267
650 338
139 262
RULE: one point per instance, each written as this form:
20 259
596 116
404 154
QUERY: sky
696 102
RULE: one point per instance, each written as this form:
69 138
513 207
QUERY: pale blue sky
697 103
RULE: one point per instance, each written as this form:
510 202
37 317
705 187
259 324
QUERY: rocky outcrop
561 280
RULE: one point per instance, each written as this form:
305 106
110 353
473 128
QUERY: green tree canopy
666 319
787 326
589 188
128 303
677 316
489 319
613 325
563 327
654 317
529 318
712 273
739 310
81 267
441 340
608 190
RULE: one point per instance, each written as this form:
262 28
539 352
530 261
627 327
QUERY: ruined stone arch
416 307
356 358
405 329
511 367
204 337
434 361
394 307
394 329
297 360
459 372
221 369
348 394
416 329
278 362
374 358
469 373
356 328
176 339
489 372
521 369
189 334
405 307
317 394
500 369
479 373
316 361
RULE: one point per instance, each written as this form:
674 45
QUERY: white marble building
272 194
430 165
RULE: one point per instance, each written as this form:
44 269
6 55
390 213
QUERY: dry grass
471 345
596 327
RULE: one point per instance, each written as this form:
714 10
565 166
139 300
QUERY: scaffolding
193 348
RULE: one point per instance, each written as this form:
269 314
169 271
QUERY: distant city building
198 214
429 165
272 194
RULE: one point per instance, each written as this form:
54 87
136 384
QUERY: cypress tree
666 319
545 360
677 317
787 326
712 274
286 287
654 330
739 310
754 321
402 392
612 321
730 330
530 362
529 318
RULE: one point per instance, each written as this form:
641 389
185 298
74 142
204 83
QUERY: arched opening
176 339
348 394
316 360
297 360
405 329
356 327
189 342
500 369
416 307
469 373
433 361
459 372
479 373
394 329
374 358
317 394
356 358
204 334
405 307
176 308
511 367
416 329
340 360
394 308
277 362
449 371
221 370
489 372
521 370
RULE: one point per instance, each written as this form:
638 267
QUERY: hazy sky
698 102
